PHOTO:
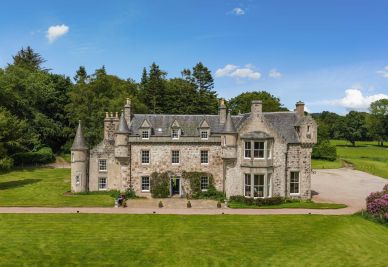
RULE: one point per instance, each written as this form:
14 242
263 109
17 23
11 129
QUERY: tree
200 76
29 59
353 127
81 76
328 120
378 120
153 89
242 102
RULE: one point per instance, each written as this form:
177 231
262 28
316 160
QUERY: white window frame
100 183
145 134
258 149
145 184
175 133
249 150
204 134
203 182
176 156
266 186
104 169
268 149
142 157
202 156
293 182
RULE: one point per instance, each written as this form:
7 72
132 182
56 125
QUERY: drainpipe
130 167
286 172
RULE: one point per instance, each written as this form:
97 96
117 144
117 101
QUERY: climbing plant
160 184
195 185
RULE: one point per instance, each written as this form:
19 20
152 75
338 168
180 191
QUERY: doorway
175 183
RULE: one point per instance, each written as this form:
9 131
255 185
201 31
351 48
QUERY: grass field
45 187
365 156
172 240
290 205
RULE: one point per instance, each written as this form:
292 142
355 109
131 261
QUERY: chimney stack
127 111
256 107
222 111
299 108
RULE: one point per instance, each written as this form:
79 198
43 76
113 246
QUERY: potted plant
189 204
160 204
219 204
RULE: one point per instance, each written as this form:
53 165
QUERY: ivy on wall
160 184
195 186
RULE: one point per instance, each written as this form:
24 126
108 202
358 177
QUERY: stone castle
258 154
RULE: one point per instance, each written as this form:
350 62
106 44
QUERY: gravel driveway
345 186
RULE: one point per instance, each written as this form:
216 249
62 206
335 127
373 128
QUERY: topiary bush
160 185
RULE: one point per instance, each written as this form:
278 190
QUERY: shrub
377 205
6 164
42 156
373 196
195 186
324 150
385 188
276 200
160 183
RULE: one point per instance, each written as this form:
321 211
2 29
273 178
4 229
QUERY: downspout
130 167
286 172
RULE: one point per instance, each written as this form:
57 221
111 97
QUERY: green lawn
290 205
172 240
365 156
325 164
45 187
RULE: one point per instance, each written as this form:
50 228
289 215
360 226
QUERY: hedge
276 200
324 150
42 156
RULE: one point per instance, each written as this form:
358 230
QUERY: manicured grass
172 240
325 164
290 205
365 156
45 187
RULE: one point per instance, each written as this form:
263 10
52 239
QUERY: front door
175 186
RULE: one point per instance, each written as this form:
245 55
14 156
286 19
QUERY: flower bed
377 205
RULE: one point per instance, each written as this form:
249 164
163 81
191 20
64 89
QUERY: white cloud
384 72
355 100
234 71
274 73
56 31
238 11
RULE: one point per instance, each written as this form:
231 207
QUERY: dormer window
175 133
145 134
204 134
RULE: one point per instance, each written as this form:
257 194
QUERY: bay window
257 185
257 150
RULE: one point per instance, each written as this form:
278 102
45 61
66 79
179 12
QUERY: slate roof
283 122
123 126
79 141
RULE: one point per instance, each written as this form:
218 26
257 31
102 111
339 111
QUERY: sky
333 55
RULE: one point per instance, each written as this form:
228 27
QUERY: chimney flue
299 108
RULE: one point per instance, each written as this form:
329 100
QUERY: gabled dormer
176 130
204 129
145 129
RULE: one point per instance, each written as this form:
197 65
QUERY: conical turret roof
229 125
79 141
123 126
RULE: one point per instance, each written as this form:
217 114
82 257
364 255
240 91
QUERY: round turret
79 163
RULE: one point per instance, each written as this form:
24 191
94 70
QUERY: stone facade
257 154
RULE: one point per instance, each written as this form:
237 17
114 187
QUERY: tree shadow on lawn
18 183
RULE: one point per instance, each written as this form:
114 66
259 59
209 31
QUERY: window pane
145 156
204 134
247 150
145 183
258 150
294 183
102 164
204 183
204 156
175 133
247 185
258 185
175 156
102 183
145 134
